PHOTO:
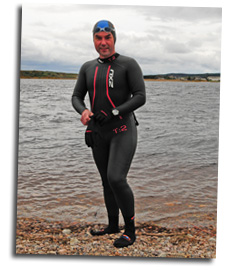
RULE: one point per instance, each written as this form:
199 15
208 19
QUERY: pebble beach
43 237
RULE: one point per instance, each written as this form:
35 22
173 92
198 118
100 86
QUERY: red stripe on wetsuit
107 88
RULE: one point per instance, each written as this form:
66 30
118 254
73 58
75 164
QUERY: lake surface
174 171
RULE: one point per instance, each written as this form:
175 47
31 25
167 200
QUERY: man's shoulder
89 63
127 60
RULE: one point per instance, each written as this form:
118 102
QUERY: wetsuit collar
109 59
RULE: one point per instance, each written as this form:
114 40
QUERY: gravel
39 236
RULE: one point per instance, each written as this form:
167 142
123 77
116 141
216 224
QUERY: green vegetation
36 74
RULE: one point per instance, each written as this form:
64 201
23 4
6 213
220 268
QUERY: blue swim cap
105 26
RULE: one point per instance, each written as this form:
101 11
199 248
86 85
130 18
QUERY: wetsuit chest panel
106 84
118 85
118 81
98 87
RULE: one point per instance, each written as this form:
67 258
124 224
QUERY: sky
164 39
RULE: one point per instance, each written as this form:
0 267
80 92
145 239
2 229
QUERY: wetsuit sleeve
137 88
80 91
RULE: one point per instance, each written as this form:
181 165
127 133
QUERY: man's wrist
84 110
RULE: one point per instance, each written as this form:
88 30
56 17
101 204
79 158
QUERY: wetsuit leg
121 152
122 149
101 157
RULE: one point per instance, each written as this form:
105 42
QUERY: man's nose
103 41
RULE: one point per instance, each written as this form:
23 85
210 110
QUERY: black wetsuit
115 82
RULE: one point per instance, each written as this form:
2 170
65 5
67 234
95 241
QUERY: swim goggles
104 29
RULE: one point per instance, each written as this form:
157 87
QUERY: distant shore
171 77
150 80
176 80
46 78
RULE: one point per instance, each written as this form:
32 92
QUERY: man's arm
79 93
137 87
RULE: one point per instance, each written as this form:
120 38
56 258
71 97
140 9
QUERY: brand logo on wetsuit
111 74
120 129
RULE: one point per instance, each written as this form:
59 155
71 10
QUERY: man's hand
85 117
103 117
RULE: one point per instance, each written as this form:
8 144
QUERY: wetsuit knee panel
116 181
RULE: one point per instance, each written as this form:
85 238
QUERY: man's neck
108 59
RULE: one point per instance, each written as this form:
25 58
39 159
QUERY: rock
155 253
74 241
62 251
162 254
66 231
212 240
51 252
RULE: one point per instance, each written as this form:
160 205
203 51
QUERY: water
174 172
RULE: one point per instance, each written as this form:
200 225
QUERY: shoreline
40 236
150 80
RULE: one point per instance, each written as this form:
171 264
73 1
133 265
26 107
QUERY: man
116 88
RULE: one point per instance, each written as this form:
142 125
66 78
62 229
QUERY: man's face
104 44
